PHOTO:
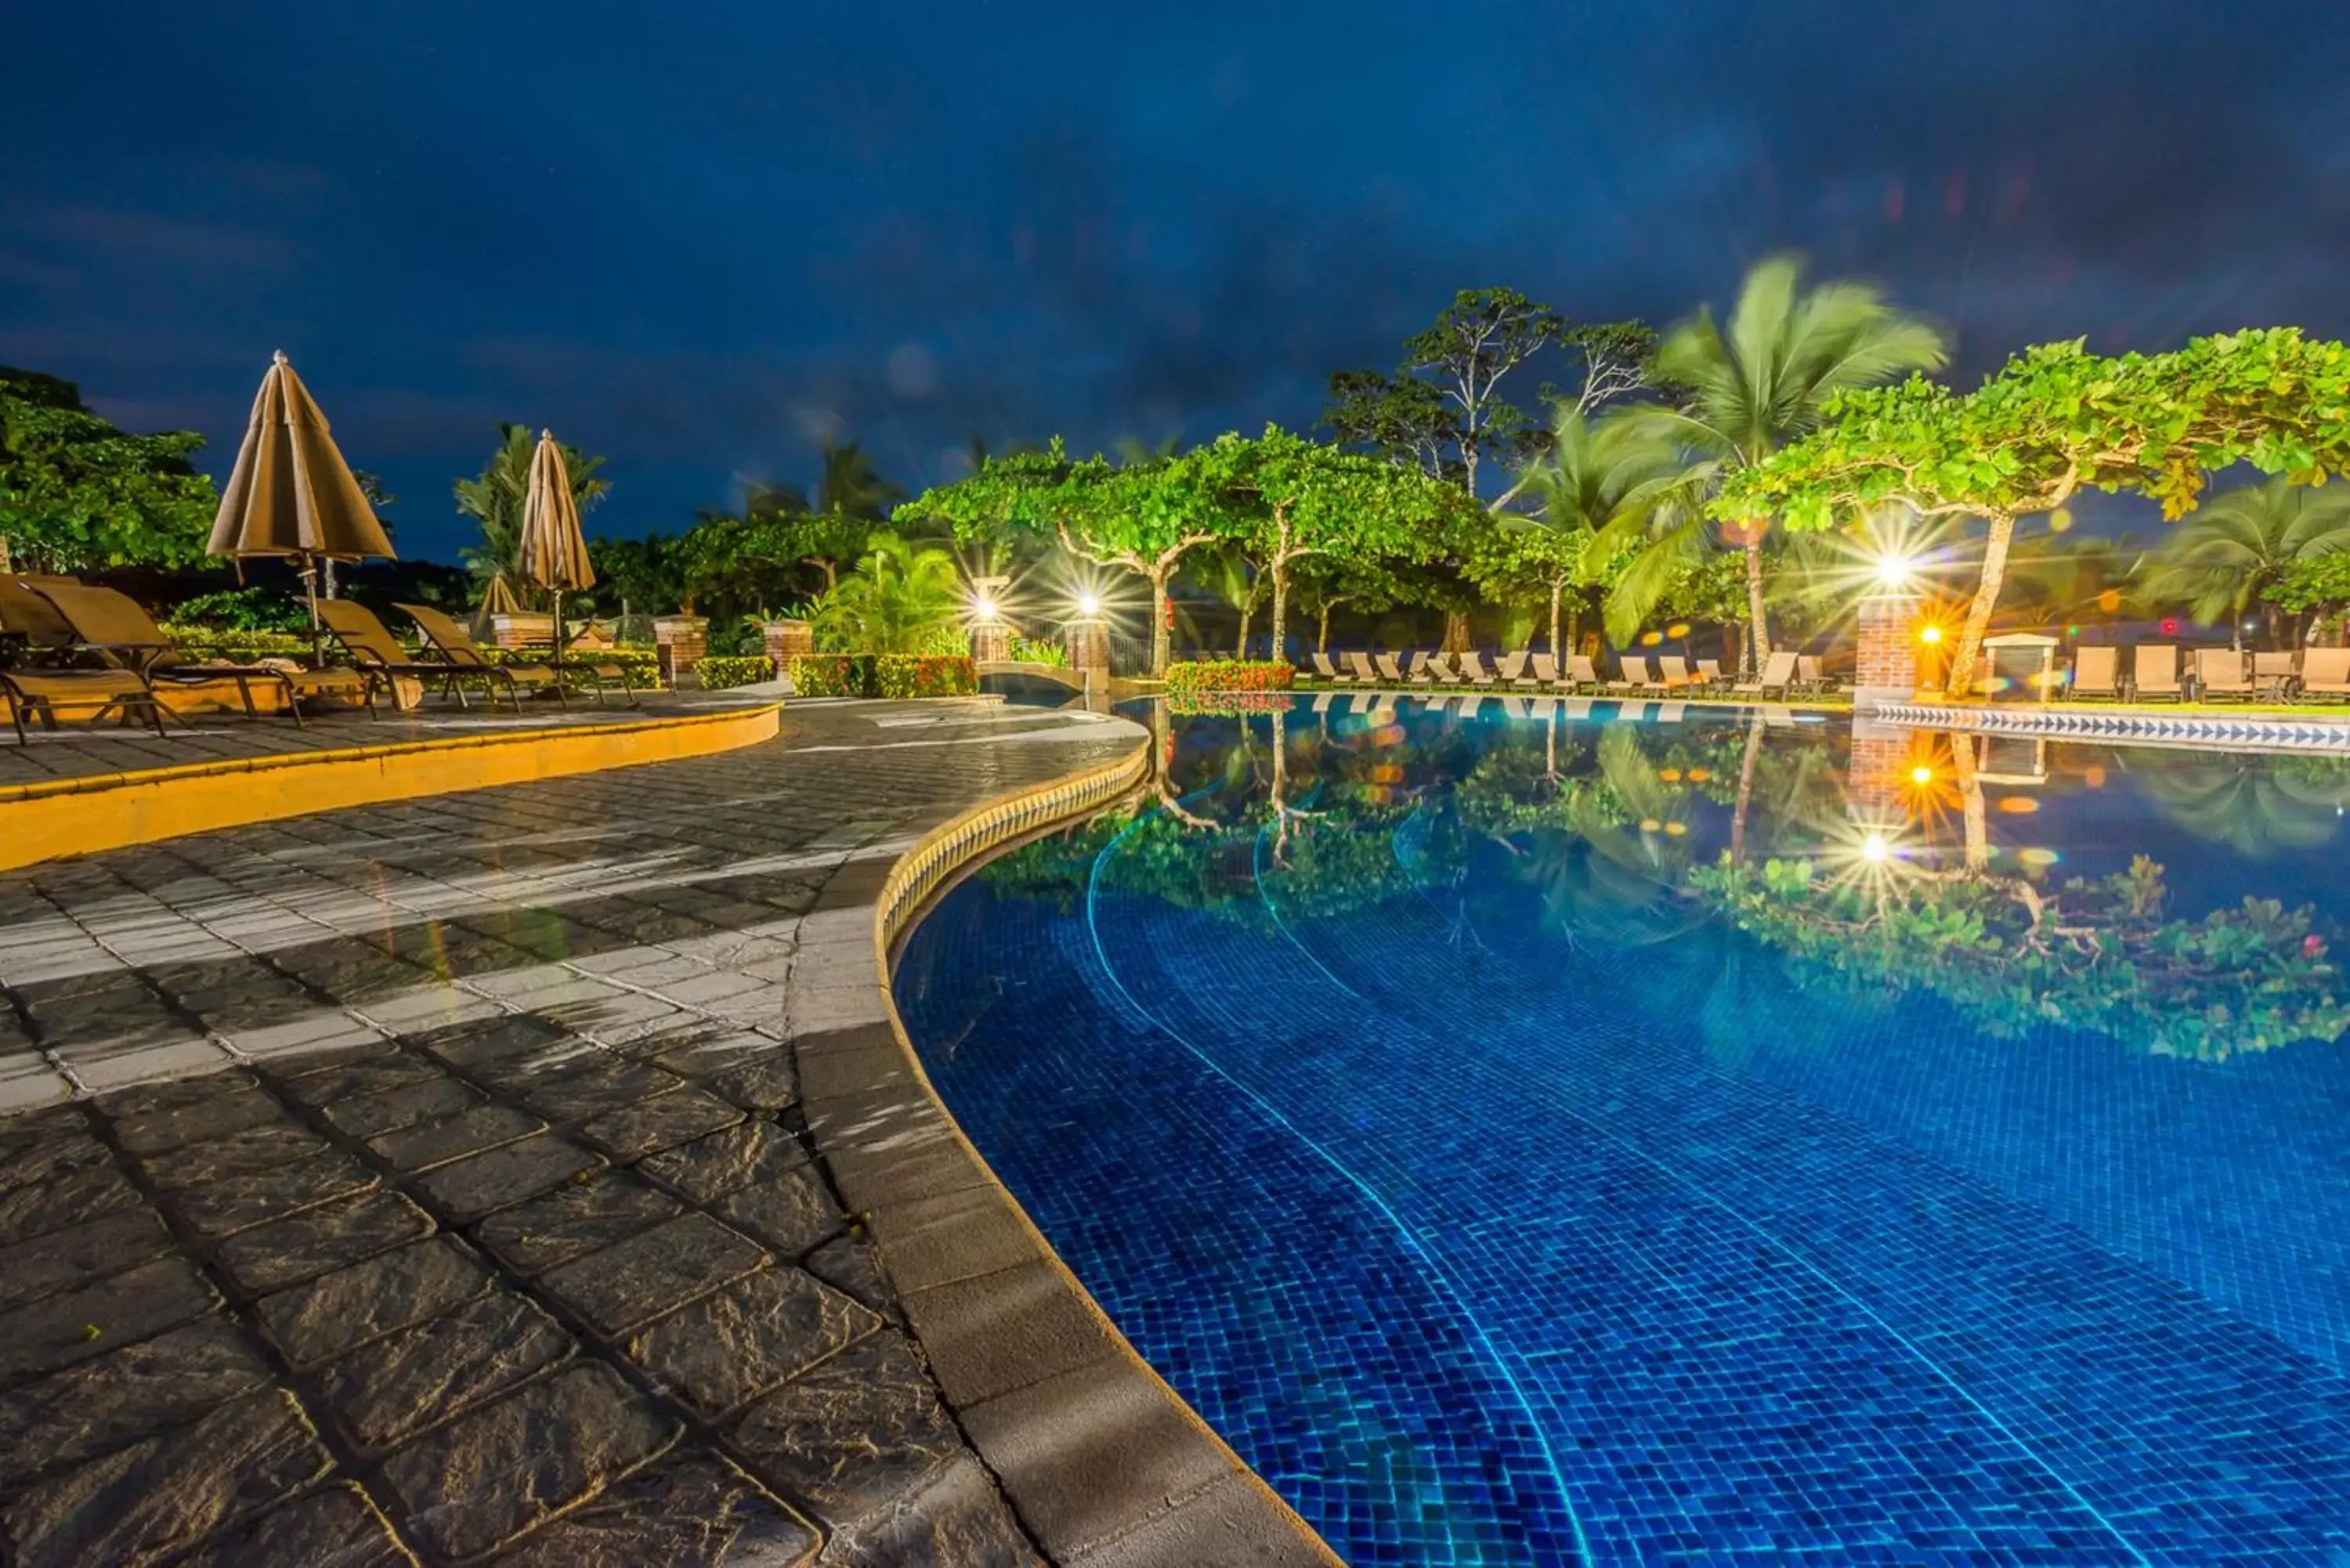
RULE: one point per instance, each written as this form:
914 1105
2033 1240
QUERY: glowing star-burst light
982 606
1088 605
1929 634
1876 850
1921 775
1894 571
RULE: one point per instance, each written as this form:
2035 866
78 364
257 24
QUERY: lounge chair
1635 674
1543 670
1778 675
2220 675
1433 668
1390 671
1673 672
2274 674
2096 674
2156 674
1580 675
1811 675
1670 712
378 656
448 636
42 693
1321 703
2325 676
1512 666
1574 709
1474 670
1470 706
1325 671
114 626
1359 664
1517 709
1709 674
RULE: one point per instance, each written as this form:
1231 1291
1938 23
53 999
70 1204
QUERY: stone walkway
434 1187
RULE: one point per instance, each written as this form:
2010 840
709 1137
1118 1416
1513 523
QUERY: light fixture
1088 605
1892 571
1875 850
1929 634
1921 775
984 608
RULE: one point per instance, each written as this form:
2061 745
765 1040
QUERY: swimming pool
1662 1133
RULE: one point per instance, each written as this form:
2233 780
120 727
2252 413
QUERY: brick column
990 642
680 641
1089 645
785 640
1885 667
1877 785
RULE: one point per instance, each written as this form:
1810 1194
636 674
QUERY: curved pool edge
1104 1462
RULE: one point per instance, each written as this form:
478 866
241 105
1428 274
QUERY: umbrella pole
310 588
559 631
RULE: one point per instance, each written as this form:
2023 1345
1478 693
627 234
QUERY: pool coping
2137 726
1105 1465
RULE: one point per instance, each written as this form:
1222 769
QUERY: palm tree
1748 392
851 486
900 599
1600 478
493 499
2221 560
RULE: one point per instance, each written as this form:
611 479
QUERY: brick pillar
990 642
1878 789
785 640
1089 645
1885 667
680 641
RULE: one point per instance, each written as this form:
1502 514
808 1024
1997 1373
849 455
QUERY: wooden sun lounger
2220 675
2324 675
2155 674
2096 674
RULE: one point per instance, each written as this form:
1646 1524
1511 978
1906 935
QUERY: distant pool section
1537 1132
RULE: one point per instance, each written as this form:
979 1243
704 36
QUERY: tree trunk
1248 610
1456 631
1322 631
1558 592
1158 633
1959 680
1280 608
1970 795
831 574
1759 649
1745 792
5 560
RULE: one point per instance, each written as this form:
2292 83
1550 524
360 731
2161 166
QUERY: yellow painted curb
57 818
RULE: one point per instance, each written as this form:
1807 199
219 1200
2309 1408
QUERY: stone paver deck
434 1186
87 751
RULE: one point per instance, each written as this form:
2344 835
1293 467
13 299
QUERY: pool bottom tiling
1535 1137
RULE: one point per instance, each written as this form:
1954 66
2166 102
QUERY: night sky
698 238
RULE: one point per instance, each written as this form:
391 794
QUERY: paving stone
475 1484
709 1169
793 1213
383 1395
126 1394
634 1281
955 1516
334 1528
661 1123
371 1074
594 1087
481 1184
313 1323
74 1325
742 1340
333 1235
163 1054
696 1511
575 1218
471 1046
847 1437
170 1491
429 1099
64 1259
769 1082
64 1194
38 1146
255 1149
429 1144
852 1263
235 1203
28 1079
1002 1331
126 1105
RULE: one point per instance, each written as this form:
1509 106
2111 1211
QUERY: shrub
720 671
249 608
216 644
1030 650
1189 678
832 674
1226 704
913 675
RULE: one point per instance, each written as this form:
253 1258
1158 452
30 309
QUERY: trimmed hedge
831 674
909 675
1227 704
227 646
884 675
719 670
1190 678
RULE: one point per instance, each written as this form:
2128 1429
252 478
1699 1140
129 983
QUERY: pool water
1570 1133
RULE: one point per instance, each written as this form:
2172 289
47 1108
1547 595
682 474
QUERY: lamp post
991 634
1087 640
1885 663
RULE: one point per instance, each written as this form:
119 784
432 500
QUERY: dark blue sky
697 238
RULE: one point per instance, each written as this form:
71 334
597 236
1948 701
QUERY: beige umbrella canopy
291 493
553 552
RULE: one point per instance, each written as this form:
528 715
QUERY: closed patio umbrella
497 600
291 493
553 552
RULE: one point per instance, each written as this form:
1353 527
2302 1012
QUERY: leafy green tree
2317 585
1142 518
1287 498
76 493
902 598
2235 549
1443 409
639 577
494 499
2054 420
1748 387
1597 486
1326 583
